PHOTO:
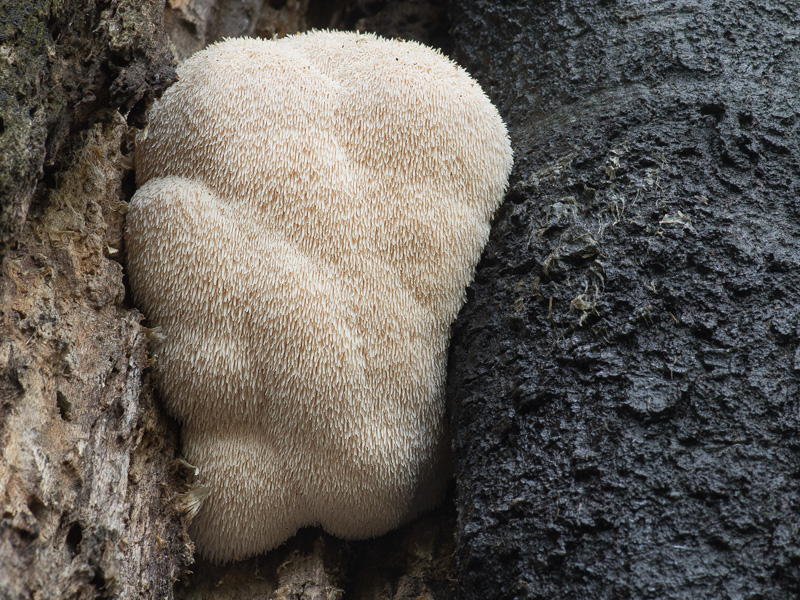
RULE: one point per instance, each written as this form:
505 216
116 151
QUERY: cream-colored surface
310 211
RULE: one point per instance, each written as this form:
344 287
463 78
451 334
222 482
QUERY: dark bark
193 24
624 376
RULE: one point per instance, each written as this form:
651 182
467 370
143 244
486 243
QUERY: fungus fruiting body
309 213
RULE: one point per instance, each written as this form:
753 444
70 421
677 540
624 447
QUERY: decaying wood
87 482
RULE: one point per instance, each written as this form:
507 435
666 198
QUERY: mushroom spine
309 213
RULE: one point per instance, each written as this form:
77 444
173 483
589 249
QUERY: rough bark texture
62 65
624 376
87 480
625 373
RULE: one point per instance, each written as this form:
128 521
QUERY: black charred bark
624 377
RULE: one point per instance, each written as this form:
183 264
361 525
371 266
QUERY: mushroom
309 213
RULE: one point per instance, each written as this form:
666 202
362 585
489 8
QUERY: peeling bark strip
625 375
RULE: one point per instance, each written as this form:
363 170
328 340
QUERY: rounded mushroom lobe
309 213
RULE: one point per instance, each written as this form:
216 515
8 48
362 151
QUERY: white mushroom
310 211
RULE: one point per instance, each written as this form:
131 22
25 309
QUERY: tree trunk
624 376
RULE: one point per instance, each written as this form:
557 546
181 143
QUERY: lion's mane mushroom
310 211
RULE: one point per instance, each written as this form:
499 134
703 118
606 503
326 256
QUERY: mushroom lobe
309 213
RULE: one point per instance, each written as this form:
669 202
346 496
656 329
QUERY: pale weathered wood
87 481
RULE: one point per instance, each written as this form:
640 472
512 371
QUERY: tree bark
624 376
87 475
